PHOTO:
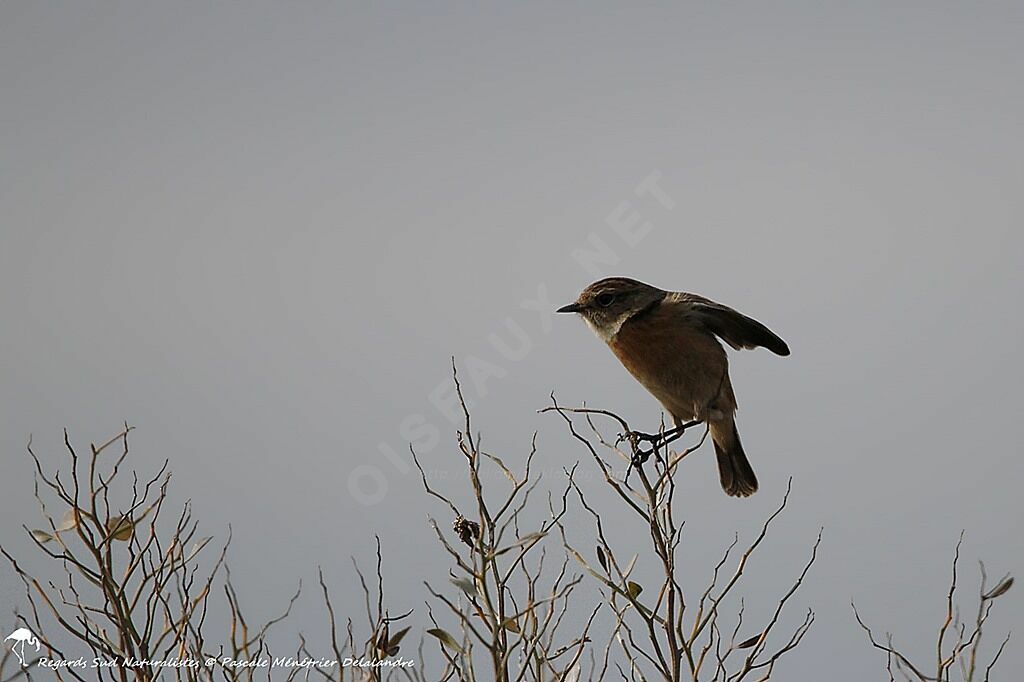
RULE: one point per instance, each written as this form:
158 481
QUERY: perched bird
667 341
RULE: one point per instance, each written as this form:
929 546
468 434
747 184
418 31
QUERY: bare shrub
133 590
958 649
510 599
668 635
522 600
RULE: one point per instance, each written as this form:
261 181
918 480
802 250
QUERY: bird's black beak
571 308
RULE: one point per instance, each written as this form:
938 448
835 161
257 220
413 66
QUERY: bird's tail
734 470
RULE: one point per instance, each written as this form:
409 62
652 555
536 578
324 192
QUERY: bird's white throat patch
607 332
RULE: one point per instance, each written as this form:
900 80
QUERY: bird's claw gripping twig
641 456
635 438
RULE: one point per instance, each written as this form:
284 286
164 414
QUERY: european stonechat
669 342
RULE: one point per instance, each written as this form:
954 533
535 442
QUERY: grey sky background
258 232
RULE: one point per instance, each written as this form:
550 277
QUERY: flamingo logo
21 637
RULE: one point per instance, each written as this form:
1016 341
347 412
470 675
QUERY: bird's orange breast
681 364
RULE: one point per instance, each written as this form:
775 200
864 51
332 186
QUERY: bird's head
608 303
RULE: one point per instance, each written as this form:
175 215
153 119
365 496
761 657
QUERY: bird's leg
635 438
656 440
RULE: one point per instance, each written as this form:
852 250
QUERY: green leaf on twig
445 639
747 643
121 528
999 590
41 536
466 585
395 640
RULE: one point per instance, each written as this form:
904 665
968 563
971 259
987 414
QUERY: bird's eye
605 300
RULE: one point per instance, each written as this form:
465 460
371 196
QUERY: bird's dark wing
736 329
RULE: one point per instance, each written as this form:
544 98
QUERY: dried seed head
469 531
